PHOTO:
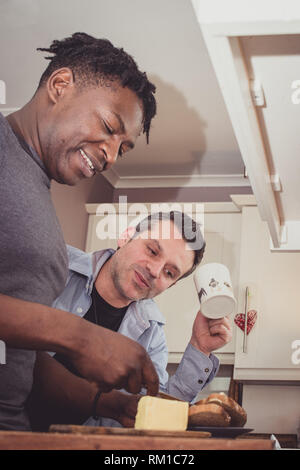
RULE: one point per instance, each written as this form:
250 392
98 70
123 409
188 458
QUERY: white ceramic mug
215 290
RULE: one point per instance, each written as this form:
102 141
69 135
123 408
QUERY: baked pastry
208 415
237 414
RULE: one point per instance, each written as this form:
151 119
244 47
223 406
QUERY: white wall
272 408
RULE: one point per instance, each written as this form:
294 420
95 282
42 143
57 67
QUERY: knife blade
166 396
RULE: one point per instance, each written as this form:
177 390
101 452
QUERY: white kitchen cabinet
180 303
254 50
273 280
249 44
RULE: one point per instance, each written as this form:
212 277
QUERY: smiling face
84 131
145 266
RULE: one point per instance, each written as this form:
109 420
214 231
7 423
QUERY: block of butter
164 415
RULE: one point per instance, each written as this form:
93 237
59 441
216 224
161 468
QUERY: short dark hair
188 228
94 61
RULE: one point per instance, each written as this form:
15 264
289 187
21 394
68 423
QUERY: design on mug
227 285
213 283
201 293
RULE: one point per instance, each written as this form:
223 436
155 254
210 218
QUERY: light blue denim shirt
143 322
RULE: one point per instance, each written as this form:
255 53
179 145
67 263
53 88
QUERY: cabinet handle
246 320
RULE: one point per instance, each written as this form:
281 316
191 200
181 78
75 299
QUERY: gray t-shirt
33 259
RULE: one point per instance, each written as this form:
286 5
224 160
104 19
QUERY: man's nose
155 268
112 152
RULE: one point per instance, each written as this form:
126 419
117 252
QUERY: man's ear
126 236
58 83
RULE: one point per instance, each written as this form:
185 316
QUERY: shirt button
79 310
200 381
206 370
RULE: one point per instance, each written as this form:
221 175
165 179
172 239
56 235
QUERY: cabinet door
274 278
102 232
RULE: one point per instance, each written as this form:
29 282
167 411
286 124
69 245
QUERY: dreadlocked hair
95 62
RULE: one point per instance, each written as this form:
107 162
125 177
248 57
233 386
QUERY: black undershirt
104 314
101 313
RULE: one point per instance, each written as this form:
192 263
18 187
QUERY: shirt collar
150 310
98 260
87 264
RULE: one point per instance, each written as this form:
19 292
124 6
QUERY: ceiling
255 53
192 142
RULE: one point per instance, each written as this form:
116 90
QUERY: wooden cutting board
74 429
21 440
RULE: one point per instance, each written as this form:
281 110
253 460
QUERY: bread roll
236 412
208 415
201 402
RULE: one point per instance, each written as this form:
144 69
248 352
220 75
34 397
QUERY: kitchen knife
168 397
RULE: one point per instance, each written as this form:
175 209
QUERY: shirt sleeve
158 353
194 372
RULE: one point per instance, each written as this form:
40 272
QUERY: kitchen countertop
12 440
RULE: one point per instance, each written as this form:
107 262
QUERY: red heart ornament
239 320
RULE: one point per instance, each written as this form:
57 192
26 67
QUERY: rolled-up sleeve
194 372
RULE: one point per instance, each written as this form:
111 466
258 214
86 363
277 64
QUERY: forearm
34 326
57 395
194 342
194 372
60 397
111 404
107 357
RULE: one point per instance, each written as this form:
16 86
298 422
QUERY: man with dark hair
186 227
91 104
96 62
115 289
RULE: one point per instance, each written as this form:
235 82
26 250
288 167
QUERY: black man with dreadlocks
91 104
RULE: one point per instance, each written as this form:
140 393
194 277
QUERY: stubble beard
119 281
